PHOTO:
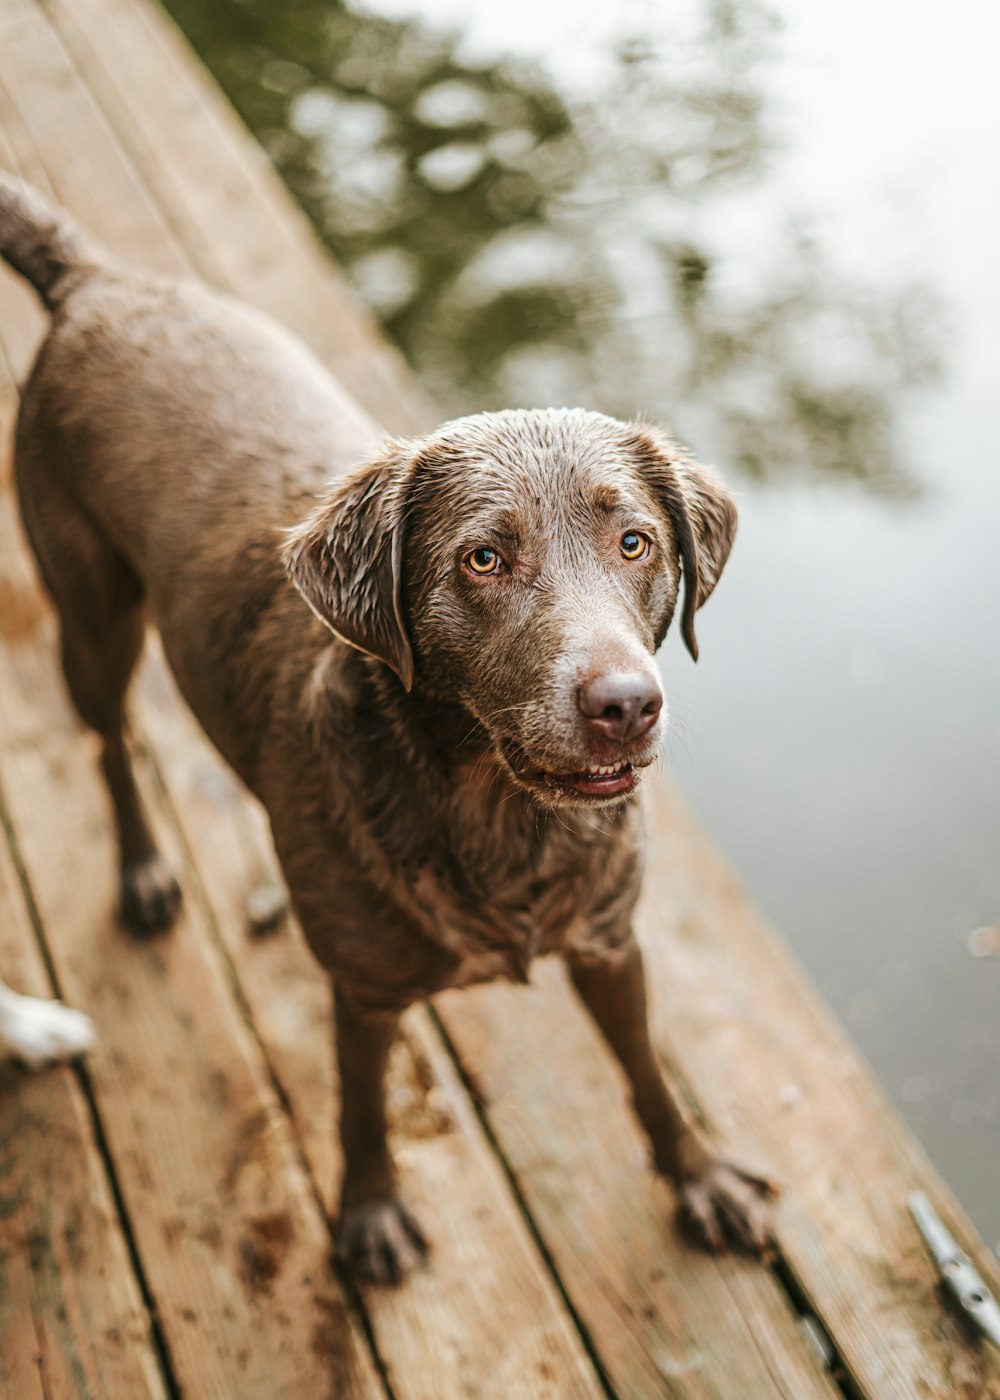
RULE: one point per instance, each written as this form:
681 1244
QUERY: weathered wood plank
665 1318
60 125
72 1319
774 1071
224 198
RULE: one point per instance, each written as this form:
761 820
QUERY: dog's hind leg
99 600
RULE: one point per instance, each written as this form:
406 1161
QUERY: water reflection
529 245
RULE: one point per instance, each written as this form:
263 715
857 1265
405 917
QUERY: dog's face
525 565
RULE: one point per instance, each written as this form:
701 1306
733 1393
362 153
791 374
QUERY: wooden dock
164 1212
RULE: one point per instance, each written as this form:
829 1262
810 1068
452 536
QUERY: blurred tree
528 245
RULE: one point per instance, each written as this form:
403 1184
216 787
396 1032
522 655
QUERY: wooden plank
61 126
224 198
72 1319
664 1318
772 1068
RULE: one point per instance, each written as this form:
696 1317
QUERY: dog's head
527 566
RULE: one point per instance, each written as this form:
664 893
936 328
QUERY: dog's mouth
598 781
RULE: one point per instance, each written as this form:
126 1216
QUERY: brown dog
446 737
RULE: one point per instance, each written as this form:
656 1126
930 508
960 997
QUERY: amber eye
483 561
633 545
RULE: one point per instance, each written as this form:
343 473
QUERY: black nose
621 705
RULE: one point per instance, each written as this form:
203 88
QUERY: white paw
39 1032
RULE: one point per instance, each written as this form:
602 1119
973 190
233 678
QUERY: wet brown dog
447 736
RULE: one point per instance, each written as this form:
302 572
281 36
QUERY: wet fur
174 459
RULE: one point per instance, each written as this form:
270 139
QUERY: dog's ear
701 511
346 559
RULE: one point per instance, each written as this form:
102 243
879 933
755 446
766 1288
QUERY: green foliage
525 245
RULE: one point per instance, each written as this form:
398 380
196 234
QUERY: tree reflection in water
525 244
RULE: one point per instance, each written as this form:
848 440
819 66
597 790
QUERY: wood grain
779 1078
224 199
72 1320
662 1316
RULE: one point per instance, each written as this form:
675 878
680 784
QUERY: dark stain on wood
328 1346
22 611
262 1250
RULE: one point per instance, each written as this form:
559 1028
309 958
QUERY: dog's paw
379 1241
726 1205
41 1032
150 897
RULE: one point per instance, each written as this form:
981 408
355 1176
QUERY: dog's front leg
376 1238
718 1199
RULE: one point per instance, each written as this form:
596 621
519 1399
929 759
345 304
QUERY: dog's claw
150 896
379 1241
727 1205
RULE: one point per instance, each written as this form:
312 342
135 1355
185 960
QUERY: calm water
777 233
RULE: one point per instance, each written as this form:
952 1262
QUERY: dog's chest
497 932
504 889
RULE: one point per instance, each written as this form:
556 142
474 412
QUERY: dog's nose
621 705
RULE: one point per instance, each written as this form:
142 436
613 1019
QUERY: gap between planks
72 1313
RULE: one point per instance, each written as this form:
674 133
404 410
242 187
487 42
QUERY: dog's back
167 436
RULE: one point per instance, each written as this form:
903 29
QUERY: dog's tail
42 242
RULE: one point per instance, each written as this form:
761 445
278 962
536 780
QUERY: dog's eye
633 545
483 560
